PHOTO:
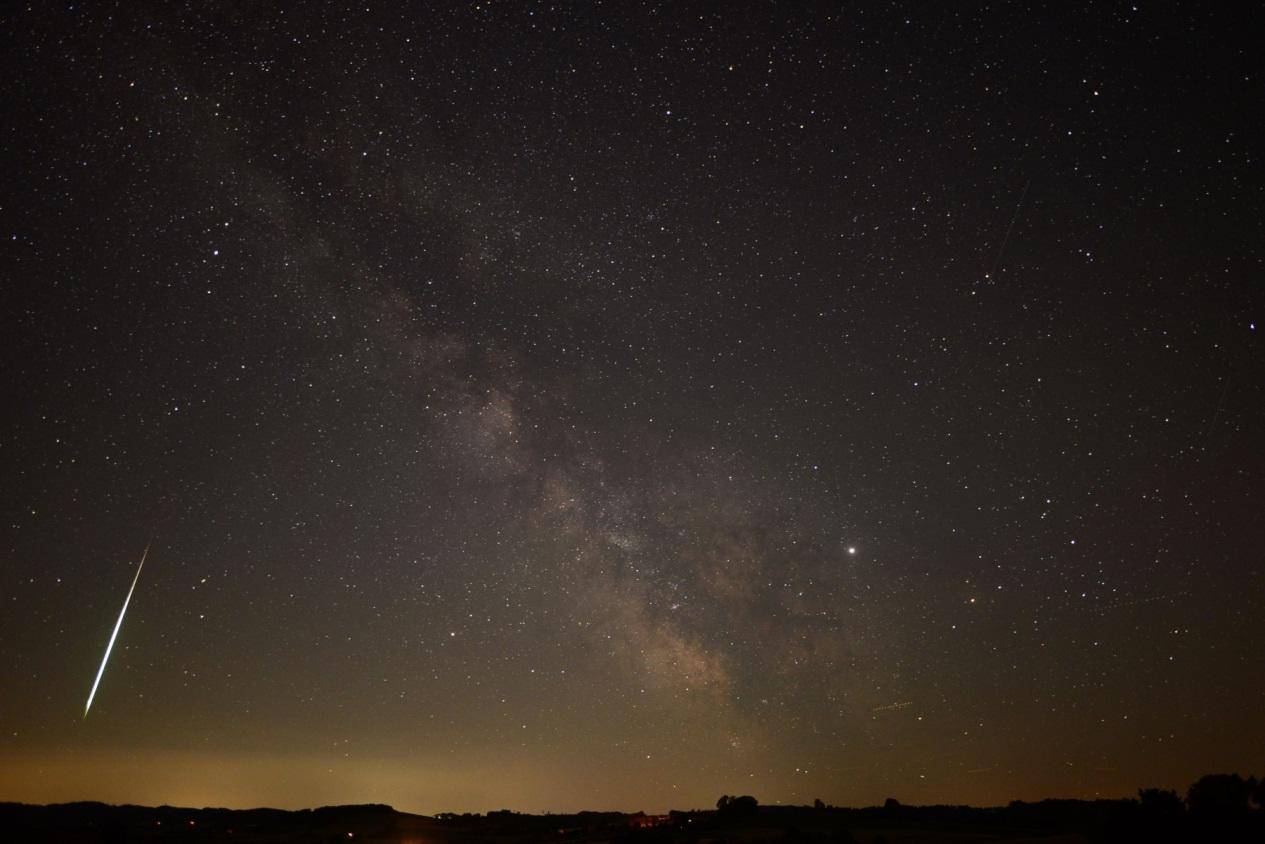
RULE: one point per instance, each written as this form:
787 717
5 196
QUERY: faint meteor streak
1005 240
891 707
113 635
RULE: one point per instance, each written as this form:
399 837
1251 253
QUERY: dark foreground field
1051 822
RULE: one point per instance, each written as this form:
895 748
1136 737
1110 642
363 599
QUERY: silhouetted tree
817 804
1219 795
1160 802
891 804
744 805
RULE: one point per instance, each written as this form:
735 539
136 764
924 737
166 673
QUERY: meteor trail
117 625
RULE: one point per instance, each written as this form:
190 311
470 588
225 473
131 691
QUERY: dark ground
1051 821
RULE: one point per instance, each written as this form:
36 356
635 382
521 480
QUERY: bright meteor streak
113 635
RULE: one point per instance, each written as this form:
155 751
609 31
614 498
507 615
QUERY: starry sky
614 405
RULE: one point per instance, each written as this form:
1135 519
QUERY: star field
617 405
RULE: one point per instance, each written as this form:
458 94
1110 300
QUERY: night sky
618 405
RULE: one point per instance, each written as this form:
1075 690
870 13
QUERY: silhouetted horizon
1227 806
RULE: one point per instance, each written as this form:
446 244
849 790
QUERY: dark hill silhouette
1219 807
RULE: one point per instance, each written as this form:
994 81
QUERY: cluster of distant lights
230 831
